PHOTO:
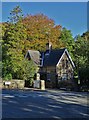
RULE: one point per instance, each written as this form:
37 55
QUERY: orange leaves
41 29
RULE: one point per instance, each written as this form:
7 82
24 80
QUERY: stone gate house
54 65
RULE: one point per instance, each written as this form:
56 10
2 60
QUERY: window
64 77
67 63
47 53
63 63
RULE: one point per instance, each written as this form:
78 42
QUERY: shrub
8 76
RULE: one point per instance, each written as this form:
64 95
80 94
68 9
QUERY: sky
71 15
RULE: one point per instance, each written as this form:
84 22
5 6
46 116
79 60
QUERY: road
44 104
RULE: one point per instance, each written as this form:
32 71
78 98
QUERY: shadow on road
63 105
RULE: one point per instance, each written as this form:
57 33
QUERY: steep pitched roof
34 55
69 57
53 57
47 58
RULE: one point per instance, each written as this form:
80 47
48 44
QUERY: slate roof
44 59
34 55
53 57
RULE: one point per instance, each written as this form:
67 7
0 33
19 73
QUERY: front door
43 76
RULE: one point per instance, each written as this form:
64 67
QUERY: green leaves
81 51
33 32
15 15
29 69
8 77
81 55
14 49
68 42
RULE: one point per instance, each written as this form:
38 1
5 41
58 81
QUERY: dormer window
41 59
47 52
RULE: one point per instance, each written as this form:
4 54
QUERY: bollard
42 85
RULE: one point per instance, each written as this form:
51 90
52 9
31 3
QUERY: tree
14 37
86 39
67 40
12 46
81 51
28 71
84 76
16 15
40 30
81 56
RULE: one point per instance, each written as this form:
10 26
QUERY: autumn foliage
40 29
22 33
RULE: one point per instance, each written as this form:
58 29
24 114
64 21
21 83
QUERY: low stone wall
13 84
1 85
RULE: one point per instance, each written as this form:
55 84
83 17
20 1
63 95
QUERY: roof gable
34 55
69 57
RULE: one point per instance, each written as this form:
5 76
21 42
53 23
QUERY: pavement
51 103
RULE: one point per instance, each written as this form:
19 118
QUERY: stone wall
13 84
1 85
64 69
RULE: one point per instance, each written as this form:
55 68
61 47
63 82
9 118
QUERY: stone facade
64 69
48 74
53 75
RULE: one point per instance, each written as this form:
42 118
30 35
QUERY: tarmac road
44 104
